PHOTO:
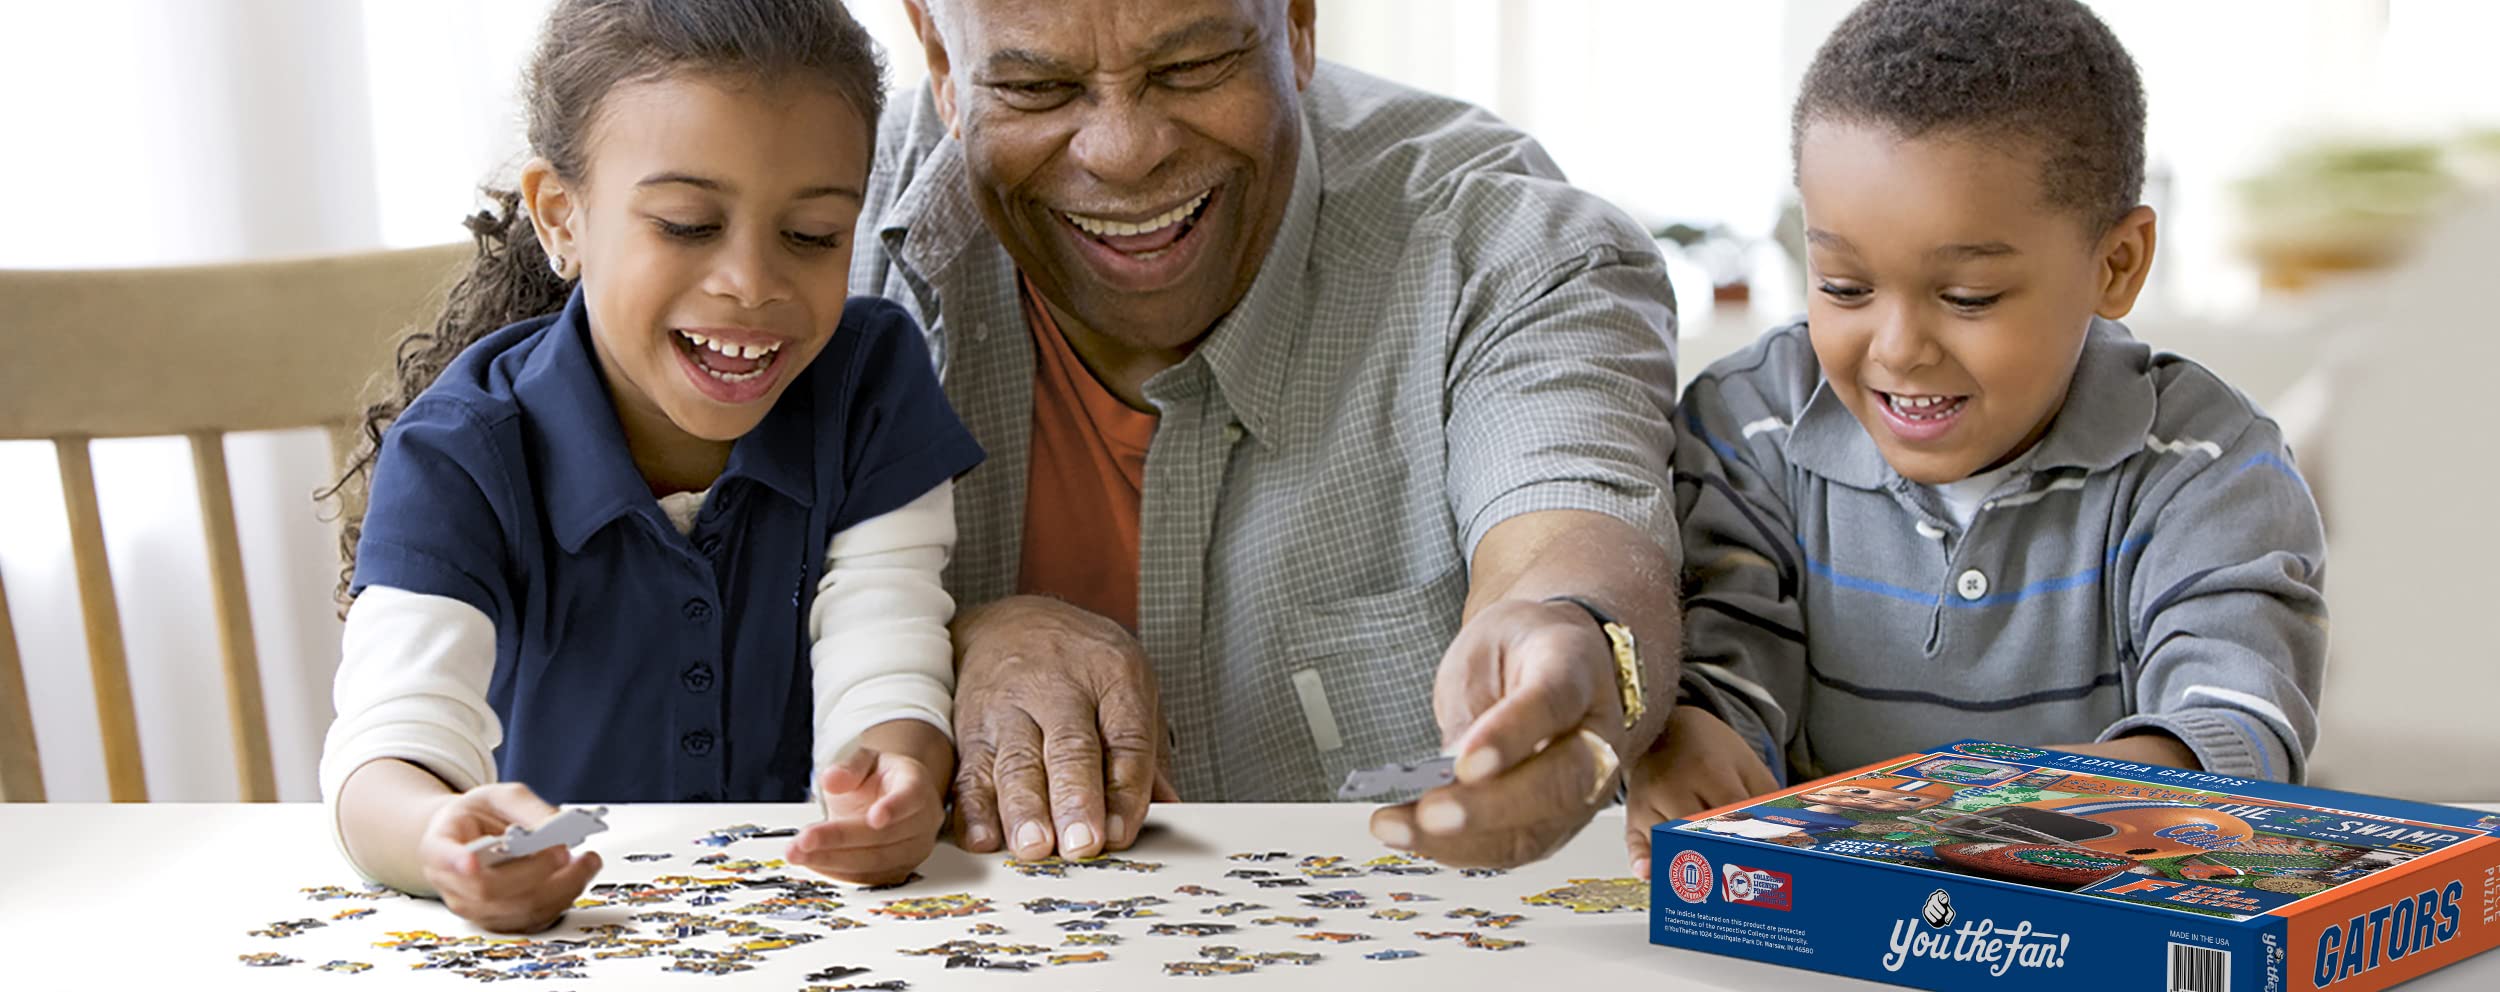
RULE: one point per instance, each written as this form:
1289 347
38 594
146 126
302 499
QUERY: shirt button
1972 585
697 610
697 677
1232 433
698 743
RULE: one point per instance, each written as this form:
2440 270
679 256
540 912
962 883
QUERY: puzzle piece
1399 776
1191 929
1201 969
568 827
1394 954
287 928
935 907
1596 895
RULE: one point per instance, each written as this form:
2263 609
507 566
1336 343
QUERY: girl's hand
882 813
1699 763
524 895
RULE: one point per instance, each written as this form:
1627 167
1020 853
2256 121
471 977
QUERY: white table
132 896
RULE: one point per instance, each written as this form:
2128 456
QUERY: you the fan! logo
1982 941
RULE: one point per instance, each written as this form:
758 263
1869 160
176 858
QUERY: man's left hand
1527 700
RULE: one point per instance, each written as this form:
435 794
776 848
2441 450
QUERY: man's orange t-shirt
1085 483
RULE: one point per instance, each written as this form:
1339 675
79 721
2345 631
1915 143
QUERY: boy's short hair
2043 71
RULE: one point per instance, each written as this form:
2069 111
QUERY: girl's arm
883 670
880 649
413 727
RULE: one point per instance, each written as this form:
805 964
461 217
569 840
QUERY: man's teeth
1922 407
728 350
1101 228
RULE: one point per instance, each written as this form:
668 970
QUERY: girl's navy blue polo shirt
632 663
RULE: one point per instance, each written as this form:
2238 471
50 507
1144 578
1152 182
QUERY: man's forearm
1537 556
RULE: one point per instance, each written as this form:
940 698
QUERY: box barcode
2199 969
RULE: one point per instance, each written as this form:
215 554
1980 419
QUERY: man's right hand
1058 731
1698 763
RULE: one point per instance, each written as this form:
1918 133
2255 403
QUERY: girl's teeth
728 350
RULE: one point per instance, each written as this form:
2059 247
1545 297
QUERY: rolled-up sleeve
1563 401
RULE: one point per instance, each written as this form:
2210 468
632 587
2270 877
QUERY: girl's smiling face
1947 299
711 230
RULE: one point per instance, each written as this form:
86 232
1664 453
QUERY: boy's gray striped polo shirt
2159 563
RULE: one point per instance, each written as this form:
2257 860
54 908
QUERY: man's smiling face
1133 156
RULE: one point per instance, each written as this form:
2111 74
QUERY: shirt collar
1250 349
585 473
2109 409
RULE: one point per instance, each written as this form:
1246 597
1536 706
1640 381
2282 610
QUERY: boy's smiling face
1947 298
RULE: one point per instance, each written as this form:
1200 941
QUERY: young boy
1960 500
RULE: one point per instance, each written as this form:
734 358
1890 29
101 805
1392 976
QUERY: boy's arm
880 651
1744 632
2228 612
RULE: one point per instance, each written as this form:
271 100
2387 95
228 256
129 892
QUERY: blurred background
2318 166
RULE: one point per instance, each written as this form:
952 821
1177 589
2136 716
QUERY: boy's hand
882 813
1699 763
524 895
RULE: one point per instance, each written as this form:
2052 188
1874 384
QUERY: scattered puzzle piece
1087 957
1200 969
347 967
1596 895
935 907
1191 929
287 928
267 959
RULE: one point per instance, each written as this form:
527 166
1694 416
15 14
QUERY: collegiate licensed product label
1688 876
1756 887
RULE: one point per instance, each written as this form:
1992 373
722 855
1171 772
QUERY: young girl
673 532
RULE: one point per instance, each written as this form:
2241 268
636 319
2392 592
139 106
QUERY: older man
1328 427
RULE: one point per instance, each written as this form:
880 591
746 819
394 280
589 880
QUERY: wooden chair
198 352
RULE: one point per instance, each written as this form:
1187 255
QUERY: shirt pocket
1359 671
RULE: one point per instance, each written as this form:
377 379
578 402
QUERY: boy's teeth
1921 407
1101 228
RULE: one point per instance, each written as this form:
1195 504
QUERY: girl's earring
555 263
